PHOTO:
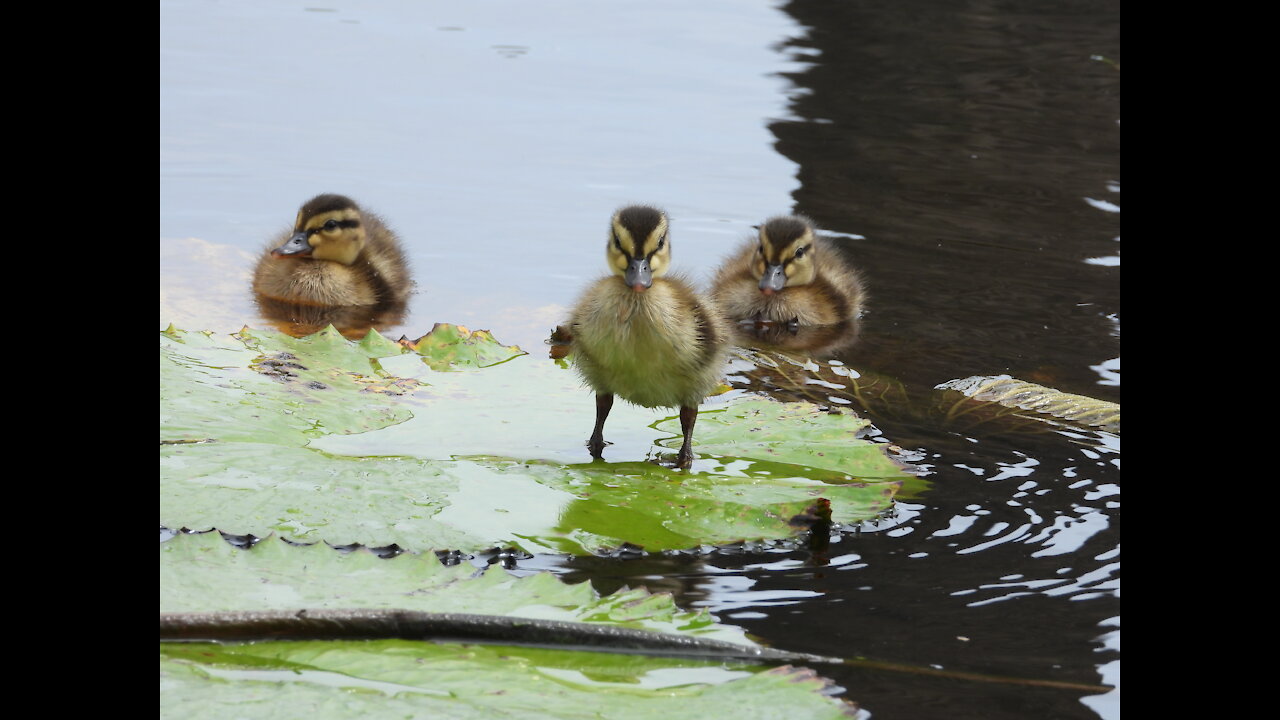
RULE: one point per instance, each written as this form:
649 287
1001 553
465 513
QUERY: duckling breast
648 348
312 282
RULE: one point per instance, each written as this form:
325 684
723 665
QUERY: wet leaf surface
398 678
370 442
202 572
342 679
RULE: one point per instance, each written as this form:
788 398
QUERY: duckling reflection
788 275
644 335
819 342
339 265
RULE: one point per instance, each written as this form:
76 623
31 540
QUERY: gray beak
773 279
638 273
295 245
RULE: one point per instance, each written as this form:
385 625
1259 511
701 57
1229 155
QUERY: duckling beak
296 245
773 280
638 276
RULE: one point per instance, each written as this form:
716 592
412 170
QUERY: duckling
644 335
336 256
788 275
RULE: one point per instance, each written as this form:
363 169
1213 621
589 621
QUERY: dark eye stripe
337 224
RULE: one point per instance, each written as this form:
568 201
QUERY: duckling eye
662 241
330 224
800 251
616 242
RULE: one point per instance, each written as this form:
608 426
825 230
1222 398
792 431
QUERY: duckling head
328 227
638 248
785 254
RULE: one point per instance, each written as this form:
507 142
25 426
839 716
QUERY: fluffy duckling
336 256
788 275
643 335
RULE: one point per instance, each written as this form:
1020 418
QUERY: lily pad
399 678
798 434
448 347
273 387
342 679
203 573
322 438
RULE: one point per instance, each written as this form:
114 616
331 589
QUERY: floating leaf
203 573
322 438
399 678
379 678
447 347
268 388
797 433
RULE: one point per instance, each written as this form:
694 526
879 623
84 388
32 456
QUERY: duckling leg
604 403
688 416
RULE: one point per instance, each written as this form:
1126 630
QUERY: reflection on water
964 155
353 321
808 341
960 152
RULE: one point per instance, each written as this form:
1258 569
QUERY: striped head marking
784 256
639 250
328 227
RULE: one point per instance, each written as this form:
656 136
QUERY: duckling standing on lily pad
788 274
644 335
337 258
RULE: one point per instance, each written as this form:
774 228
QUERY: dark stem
373 624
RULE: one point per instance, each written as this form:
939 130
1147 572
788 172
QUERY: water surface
964 154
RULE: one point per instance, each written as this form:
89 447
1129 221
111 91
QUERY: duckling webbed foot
604 403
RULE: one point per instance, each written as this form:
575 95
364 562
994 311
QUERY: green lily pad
204 573
322 438
796 434
448 347
287 390
398 678
381 678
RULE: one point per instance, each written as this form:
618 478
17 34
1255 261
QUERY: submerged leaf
1010 392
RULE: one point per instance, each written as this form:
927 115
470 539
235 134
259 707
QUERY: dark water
964 154
964 141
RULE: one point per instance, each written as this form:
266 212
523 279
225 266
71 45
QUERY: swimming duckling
643 335
335 256
788 275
